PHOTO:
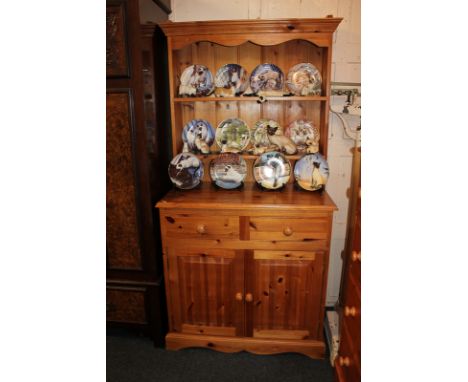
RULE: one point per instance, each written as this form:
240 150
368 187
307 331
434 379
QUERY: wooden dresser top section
250 196
263 32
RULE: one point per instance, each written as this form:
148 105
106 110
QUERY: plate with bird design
272 170
311 172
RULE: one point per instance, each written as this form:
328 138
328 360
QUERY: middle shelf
250 99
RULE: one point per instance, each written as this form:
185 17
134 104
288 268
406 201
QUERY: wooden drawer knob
288 231
344 361
350 311
356 256
249 297
239 296
201 228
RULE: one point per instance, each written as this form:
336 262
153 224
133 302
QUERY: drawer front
354 270
126 305
347 359
352 315
208 226
288 229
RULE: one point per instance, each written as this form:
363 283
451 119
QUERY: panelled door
283 292
206 291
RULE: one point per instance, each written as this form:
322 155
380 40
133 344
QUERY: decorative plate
198 135
196 80
259 134
232 135
266 78
304 79
228 170
272 170
311 172
186 171
304 134
231 80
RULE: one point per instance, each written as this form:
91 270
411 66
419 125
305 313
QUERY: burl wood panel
116 44
126 306
203 288
123 248
286 289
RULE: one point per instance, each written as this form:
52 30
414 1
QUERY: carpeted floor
135 359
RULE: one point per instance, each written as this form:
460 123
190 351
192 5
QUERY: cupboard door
206 291
285 288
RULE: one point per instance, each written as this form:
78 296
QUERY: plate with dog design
304 79
196 81
186 171
228 170
267 79
198 135
232 135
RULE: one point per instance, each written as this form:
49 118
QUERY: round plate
198 135
228 170
266 78
259 135
304 79
272 170
186 171
231 80
232 135
311 172
196 80
303 133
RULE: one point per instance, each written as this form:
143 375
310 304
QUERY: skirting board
311 348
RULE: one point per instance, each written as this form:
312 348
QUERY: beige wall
346 68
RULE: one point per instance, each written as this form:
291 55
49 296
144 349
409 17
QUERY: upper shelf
256 98
261 32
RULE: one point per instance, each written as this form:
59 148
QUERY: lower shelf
311 348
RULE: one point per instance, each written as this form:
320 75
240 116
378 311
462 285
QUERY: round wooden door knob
350 311
201 228
288 231
344 361
249 297
239 296
356 256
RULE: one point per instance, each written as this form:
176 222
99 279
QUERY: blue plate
198 135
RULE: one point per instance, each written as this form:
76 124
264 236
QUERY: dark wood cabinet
348 361
134 277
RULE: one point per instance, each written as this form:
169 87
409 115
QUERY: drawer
354 269
347 359
126 305
201 226
288 229
352 314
